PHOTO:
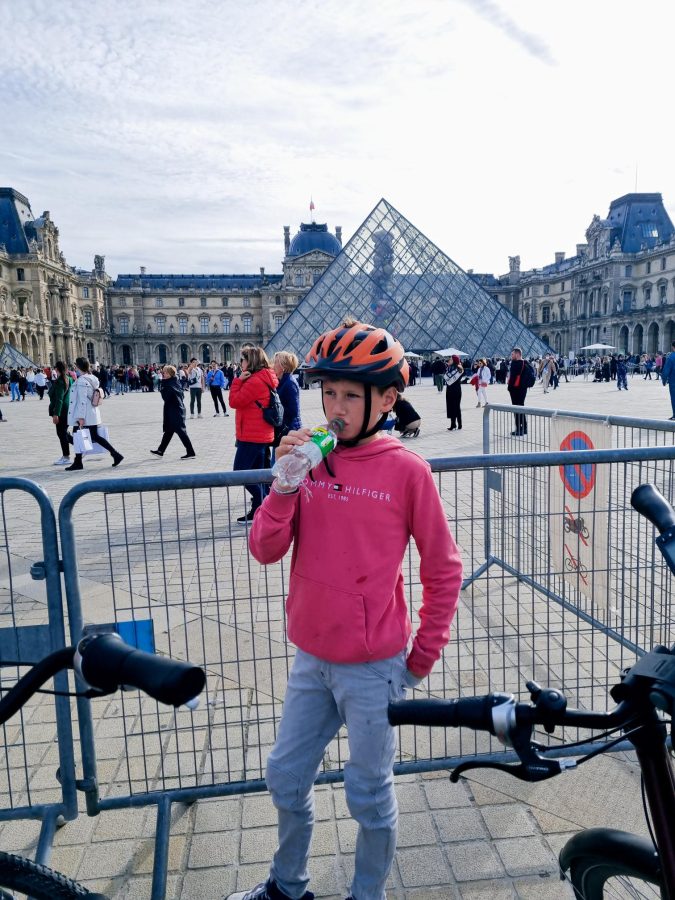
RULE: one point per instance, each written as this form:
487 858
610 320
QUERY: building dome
314 237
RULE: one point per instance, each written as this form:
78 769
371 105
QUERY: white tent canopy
598 347
450 351
412 355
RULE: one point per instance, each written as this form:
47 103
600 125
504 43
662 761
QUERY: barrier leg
161 863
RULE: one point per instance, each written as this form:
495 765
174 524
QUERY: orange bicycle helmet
358 352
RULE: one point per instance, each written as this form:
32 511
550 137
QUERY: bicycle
599 862
105 664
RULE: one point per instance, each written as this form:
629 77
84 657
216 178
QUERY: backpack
274 413
97 397
528 377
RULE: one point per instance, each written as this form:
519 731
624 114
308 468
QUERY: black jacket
174 408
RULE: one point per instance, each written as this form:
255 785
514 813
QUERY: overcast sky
183 136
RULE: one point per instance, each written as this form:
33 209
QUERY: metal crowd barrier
37 771
626 431
163 559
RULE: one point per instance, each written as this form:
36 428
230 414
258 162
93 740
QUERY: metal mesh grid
28 750
174 556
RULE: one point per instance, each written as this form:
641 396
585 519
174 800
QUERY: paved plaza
488 837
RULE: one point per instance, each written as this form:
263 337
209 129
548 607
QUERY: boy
346 608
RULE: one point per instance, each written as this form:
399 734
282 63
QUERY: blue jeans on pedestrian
249 455
14 385
320 698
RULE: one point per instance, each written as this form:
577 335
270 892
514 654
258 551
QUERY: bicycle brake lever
532 771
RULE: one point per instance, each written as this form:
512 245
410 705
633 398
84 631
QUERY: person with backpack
521 377
250 395
84 411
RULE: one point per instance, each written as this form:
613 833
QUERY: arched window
161 354
184 353
205 352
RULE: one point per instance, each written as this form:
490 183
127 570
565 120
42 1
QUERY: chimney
142 270
559 257
287 239
338 234
262 271
581 249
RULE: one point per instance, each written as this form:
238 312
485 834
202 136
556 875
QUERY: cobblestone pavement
489 836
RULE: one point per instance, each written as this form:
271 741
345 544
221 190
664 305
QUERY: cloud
492 13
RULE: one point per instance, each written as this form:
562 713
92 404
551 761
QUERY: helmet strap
364 432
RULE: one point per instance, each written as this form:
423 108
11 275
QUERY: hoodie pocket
326 621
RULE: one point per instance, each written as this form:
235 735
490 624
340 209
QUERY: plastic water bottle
292 469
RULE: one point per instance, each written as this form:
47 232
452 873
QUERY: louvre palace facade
618 289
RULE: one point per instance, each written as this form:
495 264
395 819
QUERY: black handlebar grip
472 712
651 503
107 663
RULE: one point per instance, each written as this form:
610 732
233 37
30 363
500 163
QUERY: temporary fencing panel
37 742
164 559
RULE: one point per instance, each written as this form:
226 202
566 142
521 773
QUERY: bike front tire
602 863
38 882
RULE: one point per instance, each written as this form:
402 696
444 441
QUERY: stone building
618 288
48 310
171 318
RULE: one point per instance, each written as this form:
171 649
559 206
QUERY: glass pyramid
390 274
11 358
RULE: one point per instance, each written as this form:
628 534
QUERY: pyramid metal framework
10 357
389 274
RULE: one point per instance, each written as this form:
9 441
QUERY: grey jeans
320 697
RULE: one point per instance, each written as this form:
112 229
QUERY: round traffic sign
579 480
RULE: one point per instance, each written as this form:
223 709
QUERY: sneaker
247 518
267 890
189 456
215 415
199 415
74 468
62 461
226 414
117 459
192 415
157 453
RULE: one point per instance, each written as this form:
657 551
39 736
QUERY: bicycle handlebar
106 663
651 504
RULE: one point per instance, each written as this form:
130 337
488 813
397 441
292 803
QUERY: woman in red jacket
249 395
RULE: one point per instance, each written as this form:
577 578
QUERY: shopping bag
102 431
82 441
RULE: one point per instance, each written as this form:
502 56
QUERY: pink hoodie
346 602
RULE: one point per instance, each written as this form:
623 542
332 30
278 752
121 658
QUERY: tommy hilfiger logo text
343 492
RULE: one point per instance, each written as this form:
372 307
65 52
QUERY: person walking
249 395
517 389
195 378
173 416
484 378
14 384
215 381
82 414
40 383
346 610
453 393
668 377
59 399
30 380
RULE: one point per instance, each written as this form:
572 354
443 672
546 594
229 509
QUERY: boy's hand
293 439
